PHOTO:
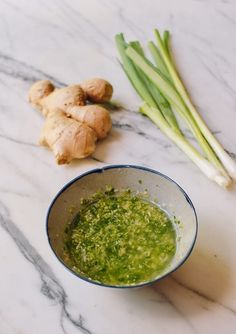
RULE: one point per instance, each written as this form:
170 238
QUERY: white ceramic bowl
170 195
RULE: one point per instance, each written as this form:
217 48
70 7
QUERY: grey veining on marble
66 42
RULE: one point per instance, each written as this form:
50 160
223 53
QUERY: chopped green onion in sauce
120 238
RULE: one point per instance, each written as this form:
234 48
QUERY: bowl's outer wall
169 195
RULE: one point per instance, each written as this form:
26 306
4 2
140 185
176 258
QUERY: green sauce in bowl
120 238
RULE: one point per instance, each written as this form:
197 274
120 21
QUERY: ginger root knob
95 116
38 91
97 90
63 98
67 138
44 97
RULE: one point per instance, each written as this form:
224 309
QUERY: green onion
174 99
160 88
226 160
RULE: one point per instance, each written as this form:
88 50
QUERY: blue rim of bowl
101 170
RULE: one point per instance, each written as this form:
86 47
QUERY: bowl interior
169 195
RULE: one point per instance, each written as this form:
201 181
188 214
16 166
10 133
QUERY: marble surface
68 41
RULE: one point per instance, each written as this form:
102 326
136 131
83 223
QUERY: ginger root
71 128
